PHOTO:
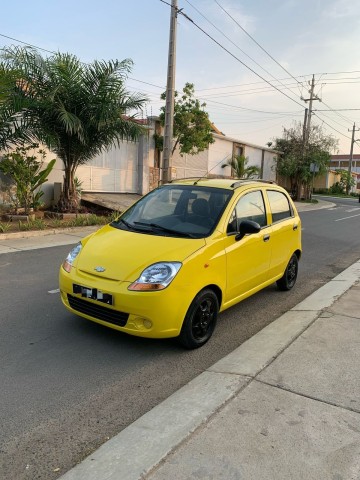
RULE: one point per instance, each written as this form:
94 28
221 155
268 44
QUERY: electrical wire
346 136
234 56
253 39
212 101
242 51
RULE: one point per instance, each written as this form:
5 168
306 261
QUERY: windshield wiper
165 229
127 224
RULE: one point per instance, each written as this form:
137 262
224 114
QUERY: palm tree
238 164
76 109
13 128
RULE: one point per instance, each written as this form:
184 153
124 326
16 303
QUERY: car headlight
156 277
71 257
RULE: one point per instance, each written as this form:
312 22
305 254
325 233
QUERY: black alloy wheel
200 320
288 280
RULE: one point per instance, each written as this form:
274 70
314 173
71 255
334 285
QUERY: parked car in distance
183 253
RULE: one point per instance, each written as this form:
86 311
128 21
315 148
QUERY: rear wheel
288 280
200 320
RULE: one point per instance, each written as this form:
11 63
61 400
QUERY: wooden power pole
310 100
351 155
170 96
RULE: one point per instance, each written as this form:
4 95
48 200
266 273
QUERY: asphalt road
67 384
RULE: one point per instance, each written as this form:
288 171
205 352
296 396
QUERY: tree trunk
69 201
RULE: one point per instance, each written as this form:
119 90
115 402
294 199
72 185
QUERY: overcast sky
306 37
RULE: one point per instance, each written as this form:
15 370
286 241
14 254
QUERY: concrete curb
43 233
160 431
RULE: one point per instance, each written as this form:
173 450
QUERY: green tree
13 128
346 181
294 161
26 172
192 130
76 109
238 164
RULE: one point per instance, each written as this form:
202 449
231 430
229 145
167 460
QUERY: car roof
227 183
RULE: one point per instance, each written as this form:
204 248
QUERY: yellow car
181 254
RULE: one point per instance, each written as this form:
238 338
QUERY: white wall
219 153
222 150
190 165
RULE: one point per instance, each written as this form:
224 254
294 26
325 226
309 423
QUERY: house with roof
136 167
341 162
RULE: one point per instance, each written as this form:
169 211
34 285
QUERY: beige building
341 162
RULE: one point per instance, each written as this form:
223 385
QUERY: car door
286 228
248 259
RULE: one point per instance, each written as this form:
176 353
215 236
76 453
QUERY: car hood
123 255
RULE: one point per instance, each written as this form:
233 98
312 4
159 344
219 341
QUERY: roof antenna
207 173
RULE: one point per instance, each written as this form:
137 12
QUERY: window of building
238 149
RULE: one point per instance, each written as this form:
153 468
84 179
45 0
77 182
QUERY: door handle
266 238
295 226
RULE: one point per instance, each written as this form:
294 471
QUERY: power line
346 136
234 56
146 83
328 111
249 91
253 39
337 109
339 114
254 121
243 108
134 79
212 101
229 39
25 43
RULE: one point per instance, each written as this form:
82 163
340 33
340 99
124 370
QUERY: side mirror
247 227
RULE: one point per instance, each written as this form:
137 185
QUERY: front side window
249 207
279 206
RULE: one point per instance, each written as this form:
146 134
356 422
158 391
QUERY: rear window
279 206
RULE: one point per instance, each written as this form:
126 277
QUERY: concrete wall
212 159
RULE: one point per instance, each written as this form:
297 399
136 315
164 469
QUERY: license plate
93 293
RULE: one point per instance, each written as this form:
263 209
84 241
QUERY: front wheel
200 320
288 280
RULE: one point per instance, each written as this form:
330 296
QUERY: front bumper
157 314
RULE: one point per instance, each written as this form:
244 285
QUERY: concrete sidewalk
284 405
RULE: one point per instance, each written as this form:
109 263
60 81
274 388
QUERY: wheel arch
298 254
217 290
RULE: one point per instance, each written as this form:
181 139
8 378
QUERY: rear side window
279 206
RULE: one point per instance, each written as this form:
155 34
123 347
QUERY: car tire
200 320
288 280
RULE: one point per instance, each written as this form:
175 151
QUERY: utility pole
305 128
310 100
351 155
170 96
307 125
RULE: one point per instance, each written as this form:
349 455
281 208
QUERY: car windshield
185 211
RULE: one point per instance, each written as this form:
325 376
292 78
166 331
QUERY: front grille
98 311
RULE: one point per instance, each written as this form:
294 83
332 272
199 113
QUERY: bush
322 191
337 188
24 172
4 227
